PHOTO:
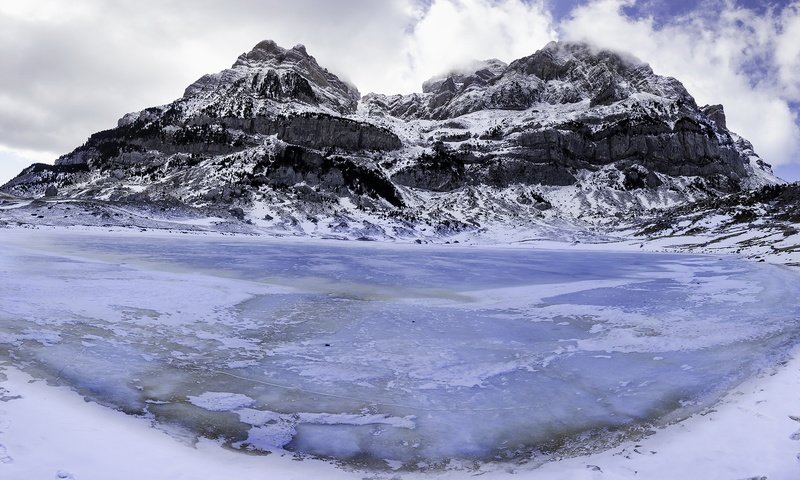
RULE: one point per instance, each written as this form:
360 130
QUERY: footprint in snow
3 457
795 435
6 396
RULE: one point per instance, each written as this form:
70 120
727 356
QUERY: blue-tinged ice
406 353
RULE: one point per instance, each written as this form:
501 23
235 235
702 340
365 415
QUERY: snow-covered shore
51 432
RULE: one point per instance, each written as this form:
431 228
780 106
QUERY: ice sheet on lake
411 354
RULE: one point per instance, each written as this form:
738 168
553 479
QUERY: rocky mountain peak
265 47
268 75
270 54
300 48
601 75
269 91
480 71
561 73
555 60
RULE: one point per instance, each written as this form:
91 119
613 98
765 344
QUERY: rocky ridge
568 135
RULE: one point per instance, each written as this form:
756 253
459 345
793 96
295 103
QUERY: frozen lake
373 353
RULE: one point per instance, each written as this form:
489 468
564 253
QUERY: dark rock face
336 175
148 143
440 172
687 148
509 171
316 130
448 171
717 114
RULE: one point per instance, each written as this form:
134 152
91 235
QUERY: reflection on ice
406 354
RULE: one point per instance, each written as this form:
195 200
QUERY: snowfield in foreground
390 360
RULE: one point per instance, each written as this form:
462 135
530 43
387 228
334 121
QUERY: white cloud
73 68
714 55
787 51
451 33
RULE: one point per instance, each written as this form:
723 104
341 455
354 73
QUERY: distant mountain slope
761 224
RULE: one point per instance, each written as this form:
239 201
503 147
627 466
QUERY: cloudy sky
70 69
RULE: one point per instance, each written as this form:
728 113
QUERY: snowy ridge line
346 397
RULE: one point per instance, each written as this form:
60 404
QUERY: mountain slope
568 135
763 224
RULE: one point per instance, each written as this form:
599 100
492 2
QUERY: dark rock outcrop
446 172
337 175
441 172
316 130
688 148
717 114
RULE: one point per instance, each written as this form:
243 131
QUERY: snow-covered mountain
569 134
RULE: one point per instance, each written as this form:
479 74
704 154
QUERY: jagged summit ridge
602 76
569 132
484 70
559 73
269 73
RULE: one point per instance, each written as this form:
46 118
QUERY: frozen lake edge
445 473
